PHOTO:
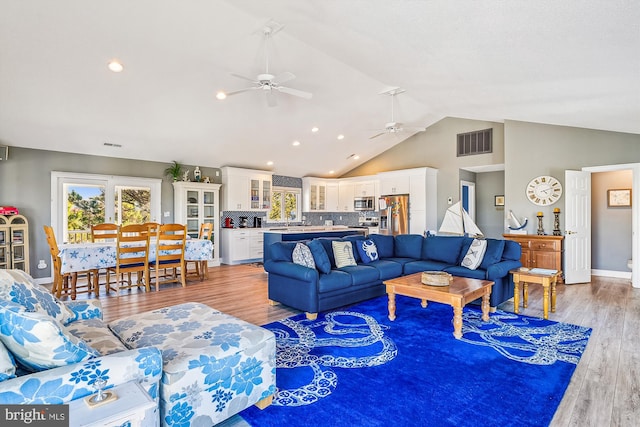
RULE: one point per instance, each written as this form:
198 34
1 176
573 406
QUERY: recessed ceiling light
221 95
296 143
332 172
115 66
341 136
314 129
270 163
356 157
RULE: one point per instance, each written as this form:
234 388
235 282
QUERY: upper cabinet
246 189
392 183
319 195
365 188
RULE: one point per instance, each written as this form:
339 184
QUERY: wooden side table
548 282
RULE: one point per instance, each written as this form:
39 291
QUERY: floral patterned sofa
200 365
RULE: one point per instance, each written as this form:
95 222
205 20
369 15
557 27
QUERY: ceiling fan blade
295 92
271 99
244 78
375 136
282 78
414 128
240 91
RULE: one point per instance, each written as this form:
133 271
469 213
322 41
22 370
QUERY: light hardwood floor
604 390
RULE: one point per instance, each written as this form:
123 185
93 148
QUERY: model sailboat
457 221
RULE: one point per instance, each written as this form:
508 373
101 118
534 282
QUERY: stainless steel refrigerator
394 214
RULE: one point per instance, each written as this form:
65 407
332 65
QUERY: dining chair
201 270
132 256
105 232
170 244
65 284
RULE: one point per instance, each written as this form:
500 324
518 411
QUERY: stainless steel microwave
364 203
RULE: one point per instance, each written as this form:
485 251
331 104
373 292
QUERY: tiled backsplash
311 218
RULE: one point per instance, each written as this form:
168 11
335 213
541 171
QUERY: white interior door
577 240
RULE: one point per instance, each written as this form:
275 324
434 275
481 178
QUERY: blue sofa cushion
408 246
384 244
282 251
367 250
493 253
361 274
443 249
320 256
458 270
333 281
424 265
512 251
328 248
387 269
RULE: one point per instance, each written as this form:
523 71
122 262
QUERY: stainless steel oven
364 204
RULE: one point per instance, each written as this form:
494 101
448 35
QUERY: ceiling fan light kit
393 126
266 81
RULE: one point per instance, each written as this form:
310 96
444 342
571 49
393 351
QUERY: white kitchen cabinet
314 195
333 196
345 196
392 183
246 189
364 189
195 203
242 245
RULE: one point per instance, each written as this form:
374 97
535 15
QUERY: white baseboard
43 280
612 273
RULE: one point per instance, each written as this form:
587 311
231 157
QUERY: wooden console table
540 251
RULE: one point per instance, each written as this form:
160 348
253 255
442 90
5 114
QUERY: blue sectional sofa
312 290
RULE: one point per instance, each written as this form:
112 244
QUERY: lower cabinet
540 251
242 245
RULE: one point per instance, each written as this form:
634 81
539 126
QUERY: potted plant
174 171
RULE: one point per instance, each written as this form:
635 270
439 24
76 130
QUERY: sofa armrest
67 383
293 270
85 309
501 269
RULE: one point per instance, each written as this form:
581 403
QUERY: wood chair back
170 245
132 255
206 229
64 284
104 232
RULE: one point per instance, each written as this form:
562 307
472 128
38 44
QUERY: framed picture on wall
619 198
498 200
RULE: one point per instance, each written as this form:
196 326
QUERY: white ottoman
214 365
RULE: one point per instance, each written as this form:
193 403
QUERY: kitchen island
297 233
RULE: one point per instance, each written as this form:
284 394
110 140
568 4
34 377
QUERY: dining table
78 257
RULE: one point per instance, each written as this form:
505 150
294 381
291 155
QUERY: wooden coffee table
457 295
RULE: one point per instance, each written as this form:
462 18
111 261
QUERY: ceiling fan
266 81
393 126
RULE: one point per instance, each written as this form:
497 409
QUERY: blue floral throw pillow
367 250
37 341
302 256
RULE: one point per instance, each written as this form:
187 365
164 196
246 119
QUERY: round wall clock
544 190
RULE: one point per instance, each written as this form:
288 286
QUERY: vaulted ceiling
573 63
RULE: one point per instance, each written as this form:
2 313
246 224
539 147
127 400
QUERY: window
285 204
81 200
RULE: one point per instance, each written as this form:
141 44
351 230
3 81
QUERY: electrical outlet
340 217
450 200
320 217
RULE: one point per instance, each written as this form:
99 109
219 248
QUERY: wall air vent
477 142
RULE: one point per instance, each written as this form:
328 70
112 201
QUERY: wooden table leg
485 304
545 298
392 306
516 293
553 294
457 320
525 294
424 303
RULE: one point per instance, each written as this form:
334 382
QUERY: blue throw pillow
367 250
320 256
408 245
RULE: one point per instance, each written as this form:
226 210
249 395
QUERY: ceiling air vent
477 142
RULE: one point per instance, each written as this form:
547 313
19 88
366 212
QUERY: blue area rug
354 367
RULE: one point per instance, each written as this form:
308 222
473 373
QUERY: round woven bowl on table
436 278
